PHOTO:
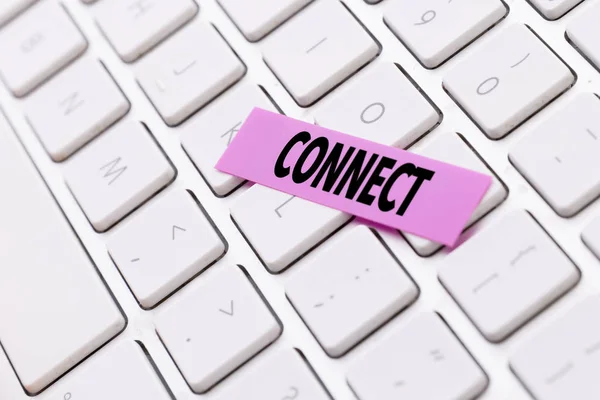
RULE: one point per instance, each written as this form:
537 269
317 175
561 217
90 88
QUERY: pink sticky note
383 184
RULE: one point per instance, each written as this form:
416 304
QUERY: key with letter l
281 227
54 308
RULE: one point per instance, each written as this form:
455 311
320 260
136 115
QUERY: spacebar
54 308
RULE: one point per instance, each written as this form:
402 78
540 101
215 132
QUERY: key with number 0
508 80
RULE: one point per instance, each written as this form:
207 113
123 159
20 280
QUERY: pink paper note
383 184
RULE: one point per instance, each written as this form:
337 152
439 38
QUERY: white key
591 236
163 245
563 361
256 18
11 8
430 30
206 135
344 294
310 62
36 45
55 309
507 274
453 149
116 173
583 31
383 106
188 71
280 227
121 371
135 26
424 360
74 107
508 80
554 9
282 375
216 326
561 157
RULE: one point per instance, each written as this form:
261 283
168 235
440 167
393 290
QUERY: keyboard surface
131 269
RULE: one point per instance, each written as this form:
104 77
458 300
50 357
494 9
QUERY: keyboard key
206 135
591 236
583 33
561 157
430 30
10 8
554 9
281 227
454 149
256 18
563 361
283 375
344 295
116 173
216 326
508 80
424 360
120 371
382 105
507 274
36 45
135 26
74 107
163 245
188 71
54 307
317 50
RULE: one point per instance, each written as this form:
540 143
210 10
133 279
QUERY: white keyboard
131 269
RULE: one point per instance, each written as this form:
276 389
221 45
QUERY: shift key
54 308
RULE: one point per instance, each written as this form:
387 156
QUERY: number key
429 29
507 81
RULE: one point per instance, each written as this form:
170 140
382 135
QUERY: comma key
281 230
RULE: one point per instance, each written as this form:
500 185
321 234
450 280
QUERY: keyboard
130 268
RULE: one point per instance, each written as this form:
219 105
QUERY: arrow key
163 245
